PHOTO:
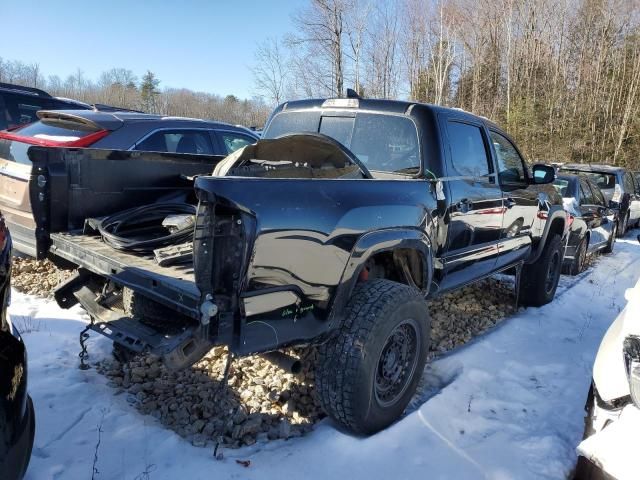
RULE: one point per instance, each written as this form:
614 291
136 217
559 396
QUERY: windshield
381 142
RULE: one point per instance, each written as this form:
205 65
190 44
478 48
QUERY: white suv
612 424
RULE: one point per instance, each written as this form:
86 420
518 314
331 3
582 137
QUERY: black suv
18 105
619 186
129 130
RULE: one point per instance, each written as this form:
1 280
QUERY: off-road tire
151 312
350 365
580 259
533 280
623 227
612 240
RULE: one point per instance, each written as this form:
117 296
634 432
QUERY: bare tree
320 31
270 70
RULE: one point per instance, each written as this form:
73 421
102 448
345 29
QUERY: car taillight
631 352
83 142
617 194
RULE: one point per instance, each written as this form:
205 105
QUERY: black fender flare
373 243
555 212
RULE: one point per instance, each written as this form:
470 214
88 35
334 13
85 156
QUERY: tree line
122 88
562 76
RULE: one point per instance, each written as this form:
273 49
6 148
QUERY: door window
510 163
586 197
178 141
234 141
468 151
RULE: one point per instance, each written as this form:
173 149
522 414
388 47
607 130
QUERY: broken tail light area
52 141
631 352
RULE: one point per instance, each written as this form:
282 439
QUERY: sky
201 45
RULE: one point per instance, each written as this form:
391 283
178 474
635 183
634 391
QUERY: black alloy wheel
397 363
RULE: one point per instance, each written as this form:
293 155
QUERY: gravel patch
459 316
36 277
262 402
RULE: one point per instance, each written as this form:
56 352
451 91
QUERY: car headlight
631 351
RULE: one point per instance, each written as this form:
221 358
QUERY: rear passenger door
520 200
606 218
475 209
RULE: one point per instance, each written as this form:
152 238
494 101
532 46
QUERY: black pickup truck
334 230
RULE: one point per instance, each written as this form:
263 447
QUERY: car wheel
539 280
622 230
612 239
368 372
580 259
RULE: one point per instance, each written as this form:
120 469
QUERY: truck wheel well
404 265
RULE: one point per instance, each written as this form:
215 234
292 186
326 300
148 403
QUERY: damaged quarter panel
305 233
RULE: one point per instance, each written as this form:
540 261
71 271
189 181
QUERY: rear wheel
539 281
622 230
612 239
367 374
580 259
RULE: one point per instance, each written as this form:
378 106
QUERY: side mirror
543 174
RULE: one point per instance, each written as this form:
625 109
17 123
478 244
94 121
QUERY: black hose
140 229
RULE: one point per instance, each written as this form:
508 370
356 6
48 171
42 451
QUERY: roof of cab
380 105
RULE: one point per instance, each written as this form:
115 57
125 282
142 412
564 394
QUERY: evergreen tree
149 91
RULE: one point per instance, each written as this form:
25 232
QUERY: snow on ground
507 405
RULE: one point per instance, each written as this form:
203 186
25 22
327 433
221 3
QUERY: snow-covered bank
506 405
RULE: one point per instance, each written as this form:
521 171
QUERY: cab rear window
381 142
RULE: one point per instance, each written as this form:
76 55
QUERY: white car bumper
615 448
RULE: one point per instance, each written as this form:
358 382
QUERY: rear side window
597 194
468 151
586 197
233 141
510 163
629 187
177 141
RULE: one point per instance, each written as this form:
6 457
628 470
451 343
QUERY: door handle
464 205
510 202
